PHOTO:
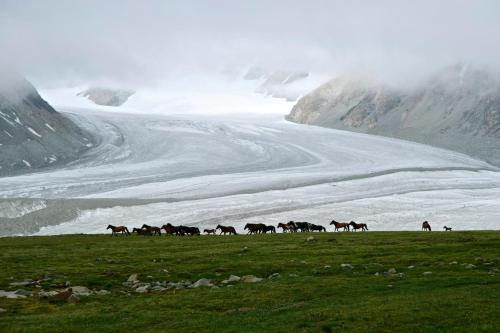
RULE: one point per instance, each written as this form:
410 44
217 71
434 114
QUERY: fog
144 42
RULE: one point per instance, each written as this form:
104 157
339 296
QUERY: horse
447 228
269 228
302 226
170 229
116 230
254 228
189 230
285 227
356 226
142 232
292 226
224 230
317 227
209 231
426 226
339 225
154 230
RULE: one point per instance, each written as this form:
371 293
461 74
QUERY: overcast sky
144 41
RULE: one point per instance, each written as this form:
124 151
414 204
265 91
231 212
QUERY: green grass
318 299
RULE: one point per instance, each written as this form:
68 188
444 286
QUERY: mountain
32 133
107 96
457 108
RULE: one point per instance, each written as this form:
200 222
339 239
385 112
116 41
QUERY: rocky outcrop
278 84
458 109
32 134
106 96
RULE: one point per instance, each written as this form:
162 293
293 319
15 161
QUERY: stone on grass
81 291
274 275
133 278
103 292
2 310
73 299
10 294
250 279
427 273
23 292
202 283
411 267
453 263
142 289
232 278
346 266
327 266
311 239
24 283
391 271
469 266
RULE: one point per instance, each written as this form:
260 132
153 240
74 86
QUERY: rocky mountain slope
458 109
106 96
32 133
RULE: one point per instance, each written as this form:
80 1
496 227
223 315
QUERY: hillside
458 108
339 282
32 133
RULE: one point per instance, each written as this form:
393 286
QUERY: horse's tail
430 228
128 232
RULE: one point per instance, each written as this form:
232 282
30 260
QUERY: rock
23 292
158 288
469 266
2 310
427 273
311 239
377 274
401 275
292 275
389 285
274 275
142 289
327 266
201 283
133 278
47 294
453 263
73 299
81 291
411 267
250 279
57 295
232 278
102 292
24 283
346 266
303 262
391 271
10 294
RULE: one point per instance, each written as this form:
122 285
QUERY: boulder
81 291
346 266
201 283
250 279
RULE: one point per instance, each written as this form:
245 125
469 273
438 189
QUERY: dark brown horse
191 231
355 226
269 228
119 229
226 230
254 228
142 232
209 231
153 230
170 229
316 227
302 226
426 226
339 225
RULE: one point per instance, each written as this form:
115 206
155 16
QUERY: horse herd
252 228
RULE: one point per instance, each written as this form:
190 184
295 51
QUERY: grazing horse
254 228
285 227
447 228
316 227
209 231
426 226
154 230
356 226
224 230
269 228
119 229
170 229
142 232
302 226
339 225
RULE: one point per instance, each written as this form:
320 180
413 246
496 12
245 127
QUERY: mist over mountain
32 133
458 108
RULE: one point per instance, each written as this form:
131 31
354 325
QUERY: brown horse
170 229
447 228
285 227
209 231
339 225
426 226
142 232
269 228
356 226
254 228
153 230
226 230
119 229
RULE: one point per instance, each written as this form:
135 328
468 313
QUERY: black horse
316 227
